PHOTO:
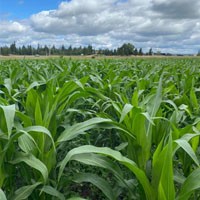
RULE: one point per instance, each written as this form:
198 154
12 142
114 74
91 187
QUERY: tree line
125 50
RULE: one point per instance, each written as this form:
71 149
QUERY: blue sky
21 9
168 26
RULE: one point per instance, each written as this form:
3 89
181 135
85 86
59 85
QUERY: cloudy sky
165 25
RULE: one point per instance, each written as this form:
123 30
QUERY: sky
165 25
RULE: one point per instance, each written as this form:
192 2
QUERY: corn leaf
33 162
25 191
188 149
191 184
113 154
97 181
126 109
9 113
2 195
80 128
53 192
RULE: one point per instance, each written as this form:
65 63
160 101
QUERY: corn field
100 129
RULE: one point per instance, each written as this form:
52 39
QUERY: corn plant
99 129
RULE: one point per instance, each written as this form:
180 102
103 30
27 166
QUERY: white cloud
167 25
11 27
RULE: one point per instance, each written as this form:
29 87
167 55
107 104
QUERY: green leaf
34 84
103 162
166 184
26 120
25 191
148 117
115 155
97 181
33 162
2 195
191 184
53 192
27 143
126 109
9 113
80 128
162 176
8 84
188 149
38 114
40 129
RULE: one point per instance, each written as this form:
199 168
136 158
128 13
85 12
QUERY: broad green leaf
187 138
2 195
148 117
8 84
193 99
9 113
140 151
53 192
26 120
34 84
27 143
33 162
163 179
166 184
188 149
103 162
38 114
153 106
40 129
115 155
25 191
98 182
135 98
80 128
156 100
191 184
126 109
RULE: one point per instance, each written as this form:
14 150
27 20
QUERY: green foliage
99 129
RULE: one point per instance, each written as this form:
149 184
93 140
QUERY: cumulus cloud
11 27
82 17
171 25
178 9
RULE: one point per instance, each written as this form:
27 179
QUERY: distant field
123 128
91 56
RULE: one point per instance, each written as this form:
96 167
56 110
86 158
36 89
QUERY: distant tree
140 52
5 51
62 49
150 52
13 49
126 49
90 50
135 52
38 49
29 50
198 54
24 50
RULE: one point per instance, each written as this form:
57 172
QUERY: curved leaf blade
33 162
113 154
2 195
25 191
97 181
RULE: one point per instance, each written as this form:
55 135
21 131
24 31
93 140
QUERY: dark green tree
126 49
140 52
13 49
150 52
